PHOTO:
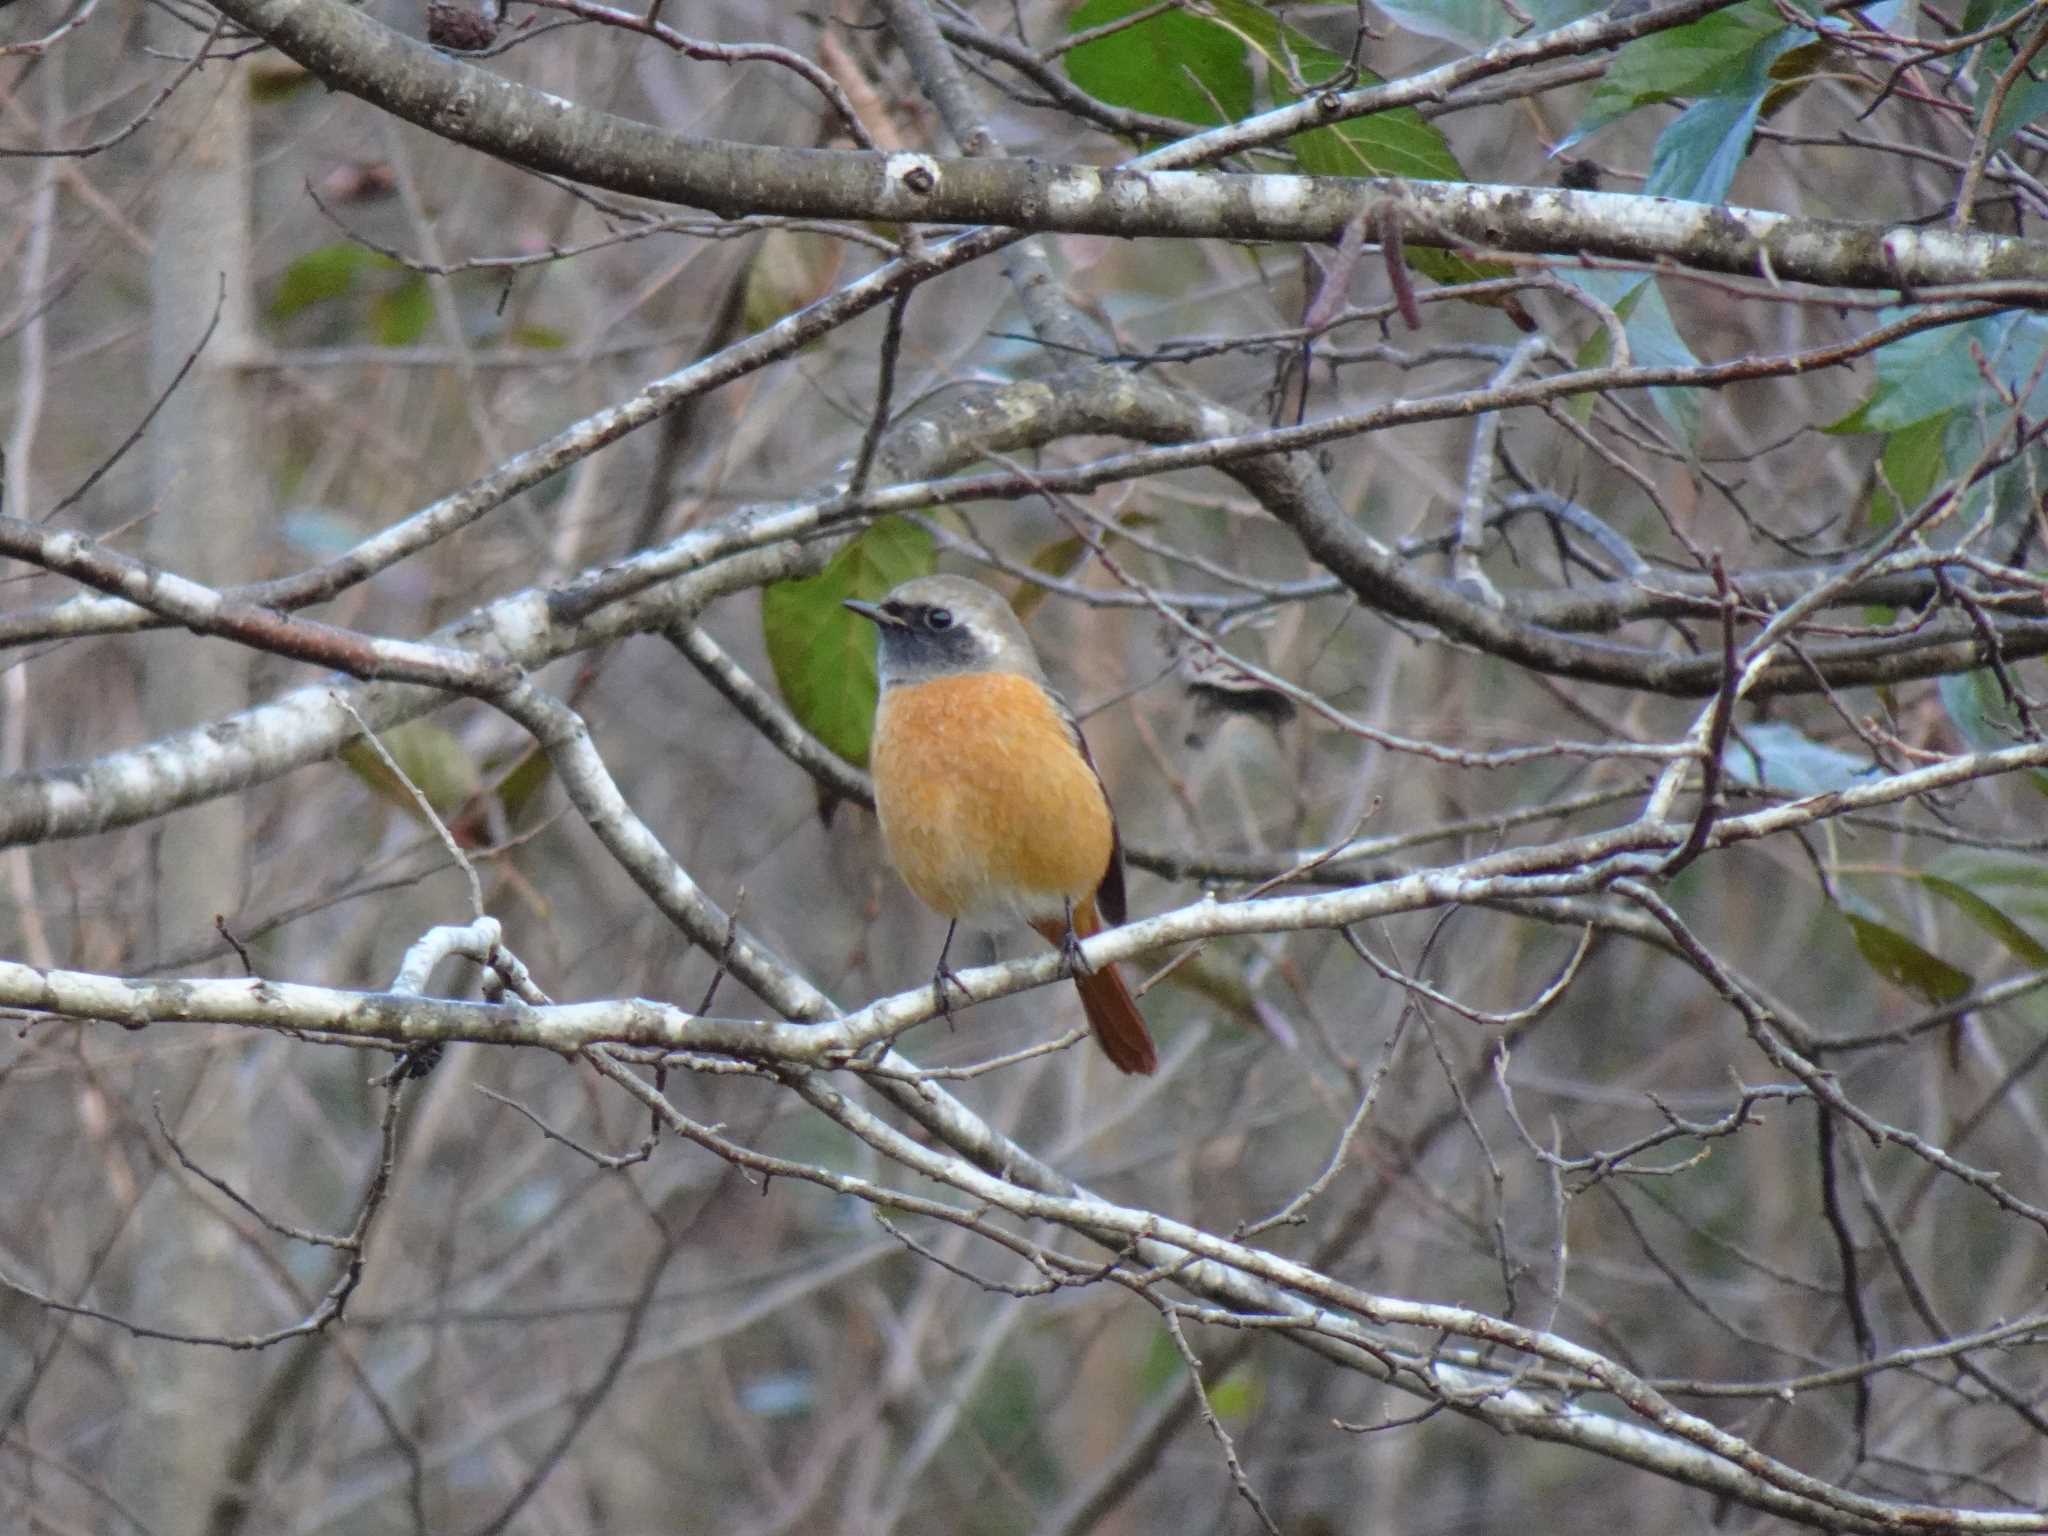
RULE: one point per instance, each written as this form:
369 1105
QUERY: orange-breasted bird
990 804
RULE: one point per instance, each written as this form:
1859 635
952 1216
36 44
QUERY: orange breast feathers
989 809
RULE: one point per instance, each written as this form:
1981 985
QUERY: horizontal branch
313 723
465 103
1352 1325
1344 1323
1251 1287
1547 870
1306 1293
206 611
756 545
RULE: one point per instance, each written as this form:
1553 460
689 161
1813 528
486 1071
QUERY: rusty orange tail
1118 1026
1112 1013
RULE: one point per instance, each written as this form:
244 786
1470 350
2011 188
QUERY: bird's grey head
935 626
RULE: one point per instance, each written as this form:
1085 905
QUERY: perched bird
990 804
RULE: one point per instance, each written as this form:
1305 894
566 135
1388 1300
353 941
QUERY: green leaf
2026 101
430 755
1172 65
400 316
1987 915
1979 14
1054 559
1739 63
1063 556
1942 395
321 532
1388 144
273 78
541 338
1777 757
1924 375
2015 883
1934 372
1653 341
790 268
1597 350
2028 98
1905 964
328 273
2013 347
1161 1367
1703 58
522 785
1008 1422
1476 24
1699 151
1795 69
1236 1398
1396 143
1978 709
1900 960
1913 464
1198 68
1983 716
824 656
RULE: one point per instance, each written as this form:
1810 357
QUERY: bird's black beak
872 612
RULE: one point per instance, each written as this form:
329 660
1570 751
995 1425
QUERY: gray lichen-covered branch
467 104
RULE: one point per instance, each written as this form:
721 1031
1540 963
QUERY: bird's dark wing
1110 900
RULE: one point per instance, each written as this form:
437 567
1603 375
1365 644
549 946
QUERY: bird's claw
943 978
1071 957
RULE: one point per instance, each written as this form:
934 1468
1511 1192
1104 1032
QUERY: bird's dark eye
938 618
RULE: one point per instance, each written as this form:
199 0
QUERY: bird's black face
924 639
938 626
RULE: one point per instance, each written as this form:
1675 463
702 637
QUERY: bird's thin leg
943 974
1070 947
